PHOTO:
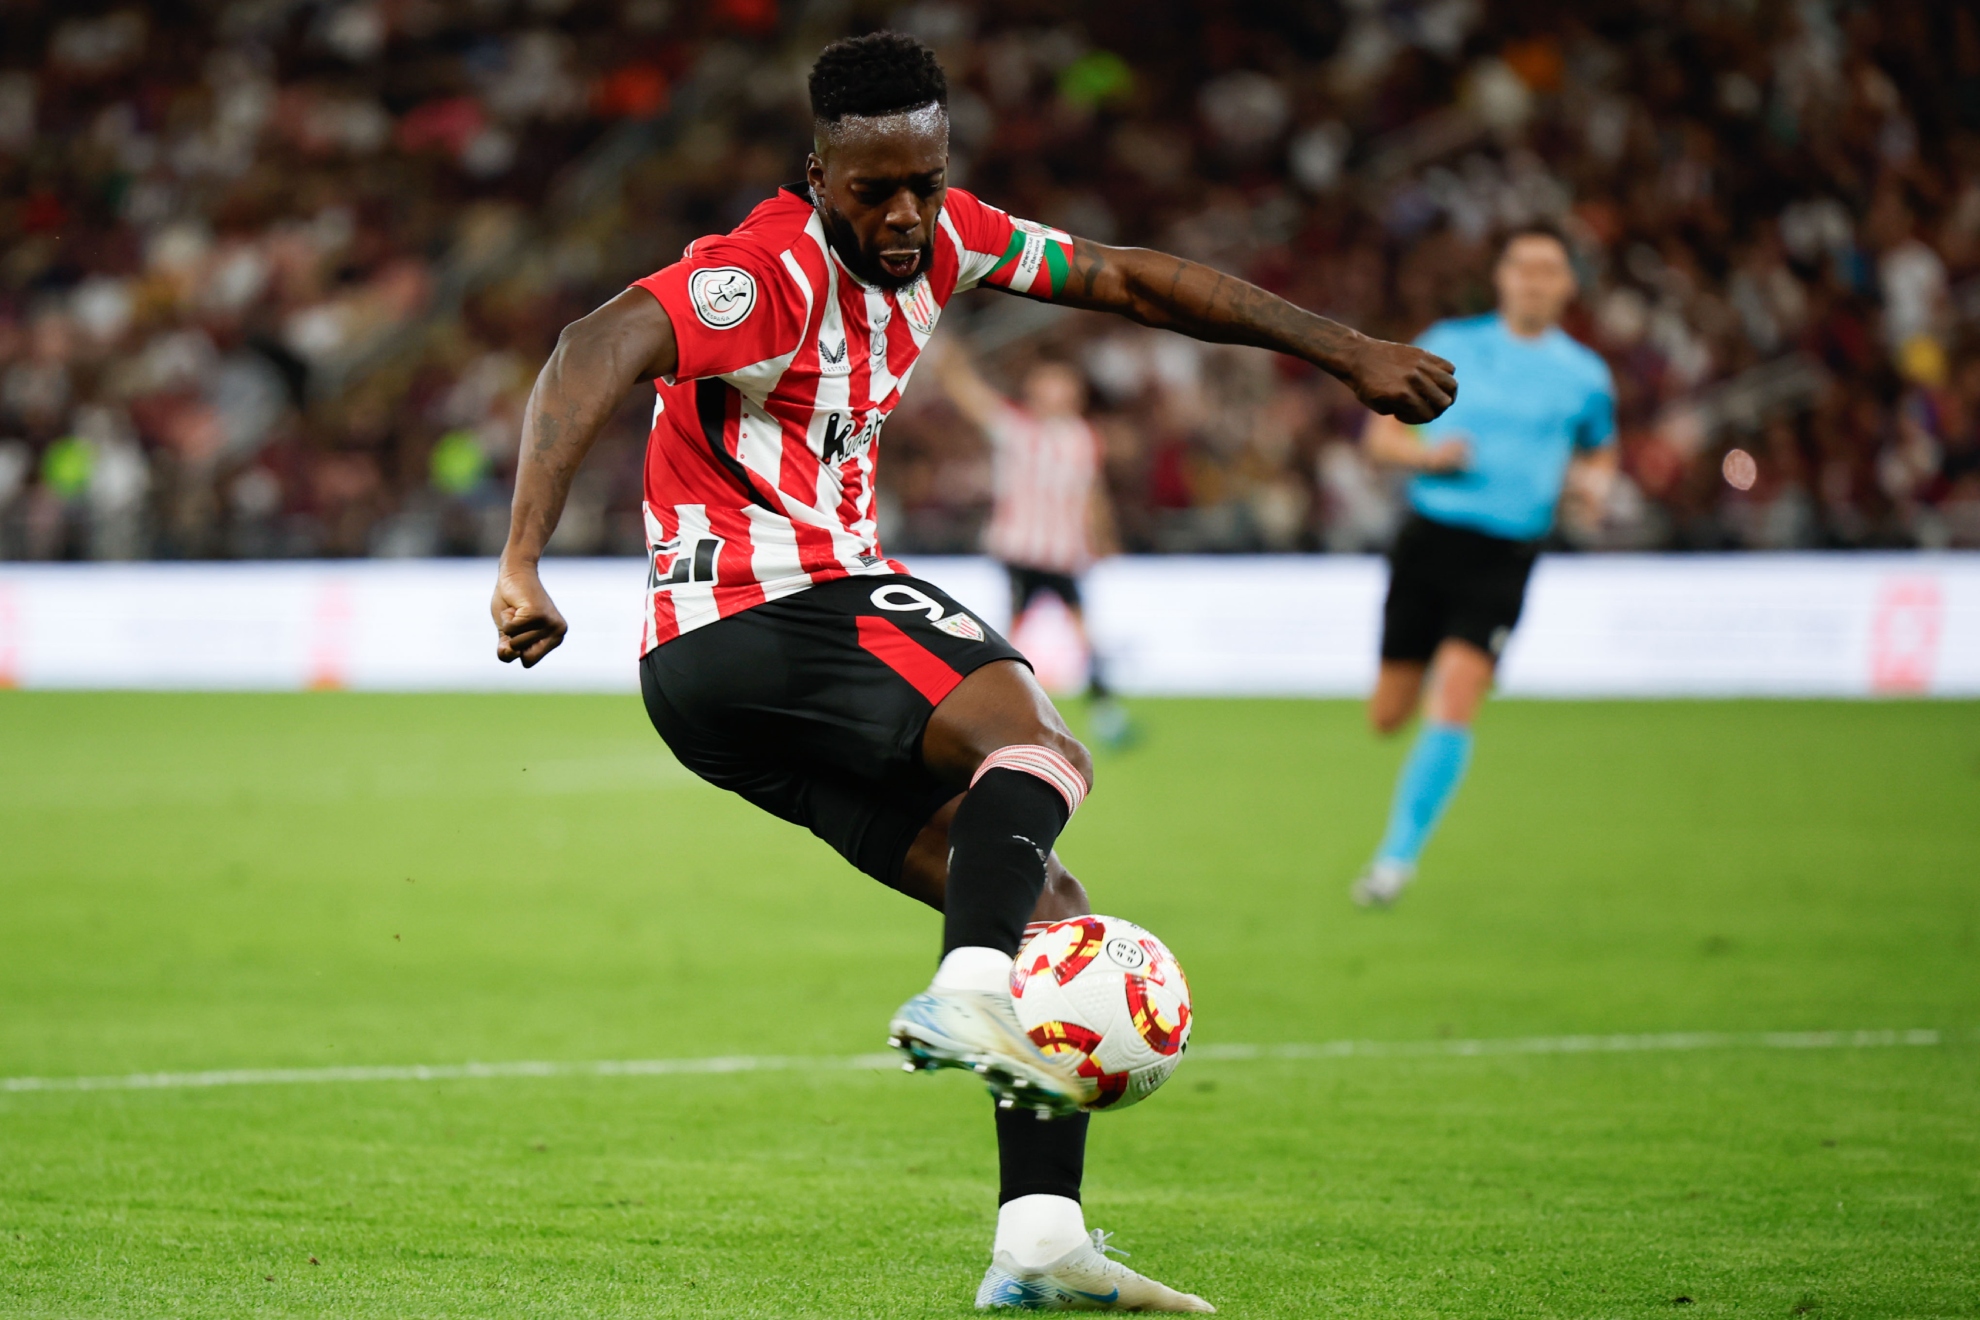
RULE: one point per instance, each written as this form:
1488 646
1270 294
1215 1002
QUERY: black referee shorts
813 706
1447 581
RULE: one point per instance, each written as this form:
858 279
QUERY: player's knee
1384 720
1073 750
1082 760
1048 753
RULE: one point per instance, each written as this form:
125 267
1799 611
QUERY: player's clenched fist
526 619
1402 381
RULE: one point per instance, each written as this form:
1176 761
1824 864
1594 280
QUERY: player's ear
814 171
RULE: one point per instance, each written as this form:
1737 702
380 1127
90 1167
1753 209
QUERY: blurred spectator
275 277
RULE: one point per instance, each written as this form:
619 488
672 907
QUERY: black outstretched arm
1167 292
597 359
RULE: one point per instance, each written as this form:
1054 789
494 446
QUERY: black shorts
813 706
1447 581
1028 582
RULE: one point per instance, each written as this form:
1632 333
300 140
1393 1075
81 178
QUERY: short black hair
1534 229
880 73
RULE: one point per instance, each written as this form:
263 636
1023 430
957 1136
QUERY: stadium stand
275 276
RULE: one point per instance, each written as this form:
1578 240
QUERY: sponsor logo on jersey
961 625
918 305
832 358
722 295
841 441
677 562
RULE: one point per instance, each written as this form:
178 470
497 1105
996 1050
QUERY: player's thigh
814 707
842 676
999 705
1460 680
1398 685
871 824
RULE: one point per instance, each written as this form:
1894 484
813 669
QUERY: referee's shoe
1382 883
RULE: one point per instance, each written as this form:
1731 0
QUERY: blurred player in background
1537 415
1051 518
788 660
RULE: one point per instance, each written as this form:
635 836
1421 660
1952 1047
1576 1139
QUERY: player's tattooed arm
1167 292
597 359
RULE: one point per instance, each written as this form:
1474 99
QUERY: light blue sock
1429 780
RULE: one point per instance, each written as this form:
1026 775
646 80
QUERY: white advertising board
1624 625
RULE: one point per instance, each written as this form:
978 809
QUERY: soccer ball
1108 994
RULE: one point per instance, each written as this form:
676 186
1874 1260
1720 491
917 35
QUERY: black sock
1039 1156
998 842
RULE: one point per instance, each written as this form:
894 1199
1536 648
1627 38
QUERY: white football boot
979 1030
1382 883
1083 1279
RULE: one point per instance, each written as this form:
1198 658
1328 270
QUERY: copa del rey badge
961 625
918 305
722 295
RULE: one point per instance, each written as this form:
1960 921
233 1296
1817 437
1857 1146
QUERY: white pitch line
1333 1049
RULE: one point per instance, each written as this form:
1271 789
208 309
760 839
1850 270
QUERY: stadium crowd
275 276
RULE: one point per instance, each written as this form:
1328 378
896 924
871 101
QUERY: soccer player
1538 414
1050 516
787 659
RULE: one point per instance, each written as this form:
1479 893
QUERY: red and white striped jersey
759 466
1044 473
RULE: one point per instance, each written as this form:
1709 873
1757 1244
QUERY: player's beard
845 241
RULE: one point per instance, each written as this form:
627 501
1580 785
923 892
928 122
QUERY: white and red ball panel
1110 994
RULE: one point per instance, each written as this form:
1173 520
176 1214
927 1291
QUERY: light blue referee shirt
1525 406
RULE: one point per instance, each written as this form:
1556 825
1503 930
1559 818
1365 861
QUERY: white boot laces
1104 1246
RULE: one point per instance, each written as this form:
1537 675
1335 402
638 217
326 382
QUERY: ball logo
1127 955
722 295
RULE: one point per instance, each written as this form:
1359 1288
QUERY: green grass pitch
204 882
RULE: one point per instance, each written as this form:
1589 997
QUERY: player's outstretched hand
1402 381
527 623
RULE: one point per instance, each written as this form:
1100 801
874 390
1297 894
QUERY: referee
1535 416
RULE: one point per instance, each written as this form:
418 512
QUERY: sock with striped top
1002 834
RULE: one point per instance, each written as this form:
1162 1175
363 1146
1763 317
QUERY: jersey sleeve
732 304
1595 427
1000 250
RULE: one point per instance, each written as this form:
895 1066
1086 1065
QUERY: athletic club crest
961 625
918 305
